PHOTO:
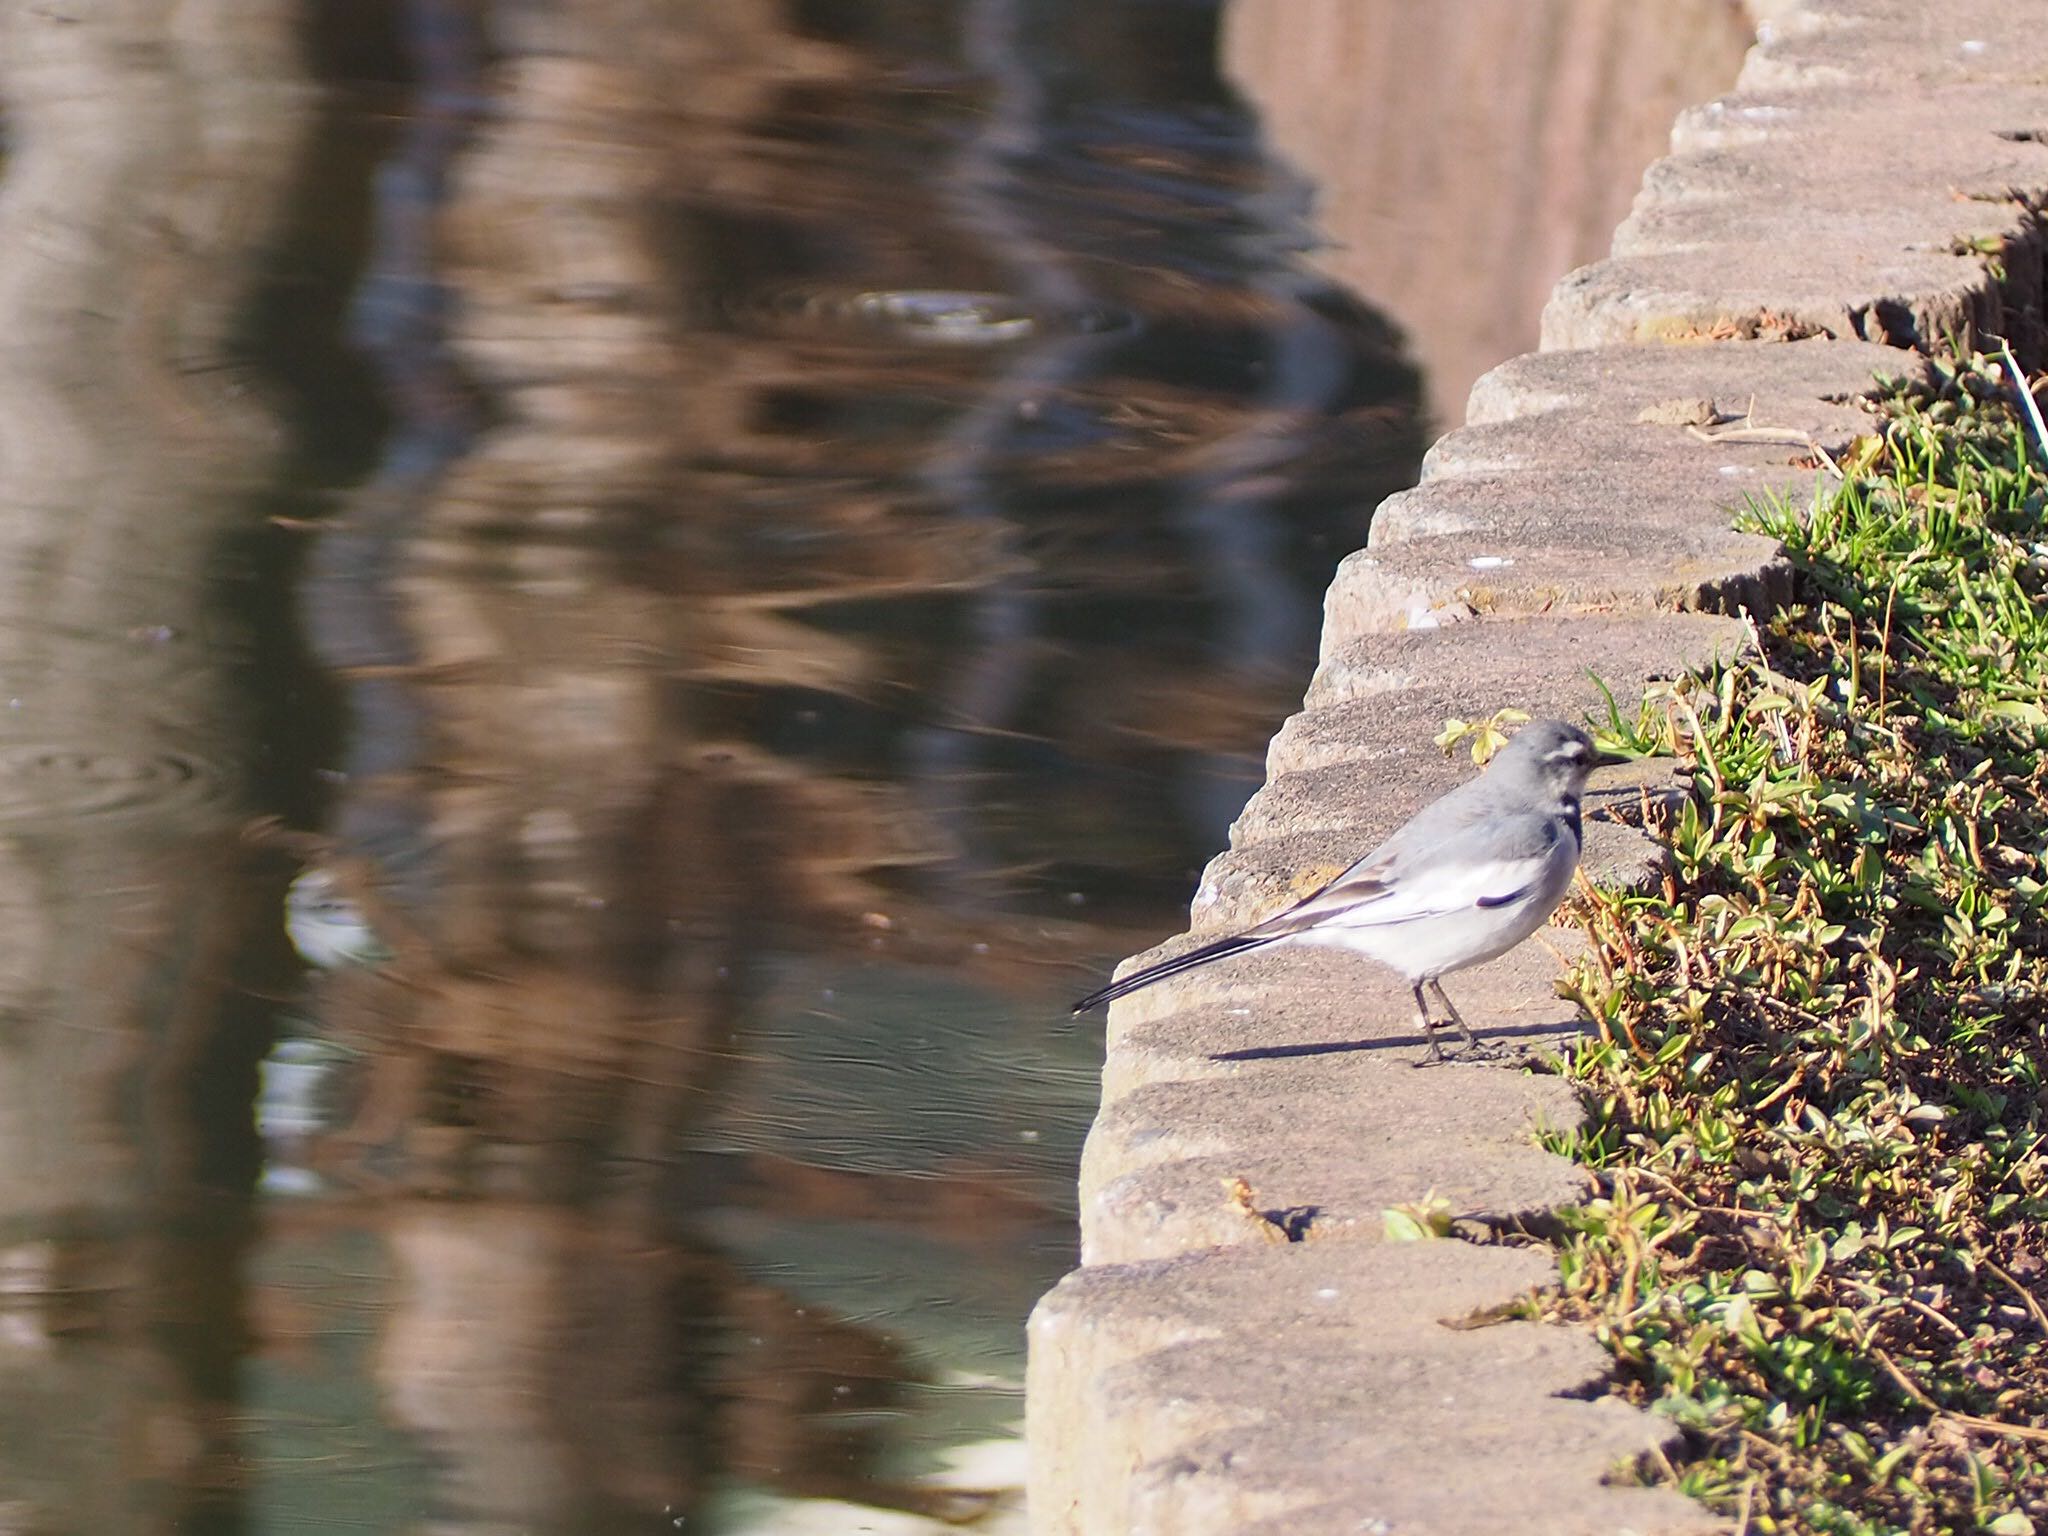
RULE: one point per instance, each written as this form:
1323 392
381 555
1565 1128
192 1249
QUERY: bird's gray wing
1430 870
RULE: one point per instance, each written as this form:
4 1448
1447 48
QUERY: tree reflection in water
909 460
799 517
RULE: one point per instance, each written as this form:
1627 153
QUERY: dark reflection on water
794 524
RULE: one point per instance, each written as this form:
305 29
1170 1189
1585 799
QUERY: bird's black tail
1165 968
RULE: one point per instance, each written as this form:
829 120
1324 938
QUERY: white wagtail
1468 878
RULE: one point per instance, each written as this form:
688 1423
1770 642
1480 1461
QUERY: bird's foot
1477 1054
1479 1051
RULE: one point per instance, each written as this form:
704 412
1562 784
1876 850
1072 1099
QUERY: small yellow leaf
1419 1220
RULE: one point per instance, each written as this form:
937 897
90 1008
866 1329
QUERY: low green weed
1818 1091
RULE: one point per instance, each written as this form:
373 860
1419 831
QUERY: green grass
1819 1085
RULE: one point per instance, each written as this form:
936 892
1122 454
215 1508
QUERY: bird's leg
1452 1009
1436 1052
1471 1041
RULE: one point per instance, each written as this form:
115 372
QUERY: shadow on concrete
1553 1030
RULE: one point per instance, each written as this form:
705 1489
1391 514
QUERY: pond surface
608 610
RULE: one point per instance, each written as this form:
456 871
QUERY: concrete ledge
1370 1414
1242 1350
1823 208
1330 1147
1601 482
1896 44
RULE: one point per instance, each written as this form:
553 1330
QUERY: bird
1463 881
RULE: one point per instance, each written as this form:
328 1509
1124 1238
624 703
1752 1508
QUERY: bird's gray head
1548 760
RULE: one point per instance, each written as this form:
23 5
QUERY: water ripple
938 317
43 780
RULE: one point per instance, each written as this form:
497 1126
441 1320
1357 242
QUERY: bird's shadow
1551 1031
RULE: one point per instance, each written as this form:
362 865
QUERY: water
608 610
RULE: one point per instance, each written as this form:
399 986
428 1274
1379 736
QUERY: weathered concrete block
1823 151
1807 386
1891 44
1605 480
2009 112
1507 515
2007 231
1325 1137
1318 1387
1320 1007
1464 1487
1763 225
1830 285
1428 583
1413 681
1965 173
